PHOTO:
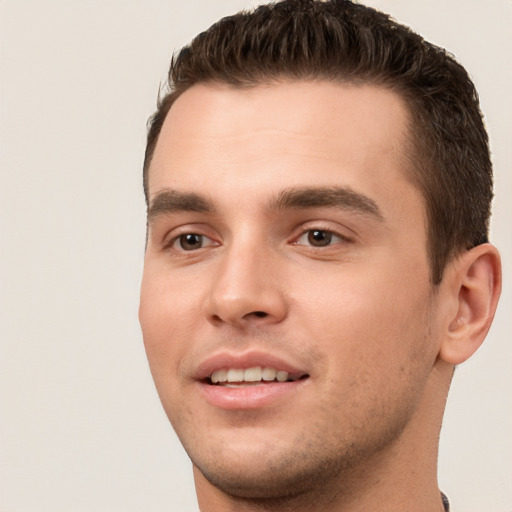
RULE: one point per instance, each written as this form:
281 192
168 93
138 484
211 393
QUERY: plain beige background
81 428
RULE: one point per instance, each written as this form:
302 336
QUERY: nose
247 288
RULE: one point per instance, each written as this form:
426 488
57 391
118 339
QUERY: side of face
284 235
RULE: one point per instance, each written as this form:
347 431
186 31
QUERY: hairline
411 129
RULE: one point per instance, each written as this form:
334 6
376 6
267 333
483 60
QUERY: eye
191 242
319 238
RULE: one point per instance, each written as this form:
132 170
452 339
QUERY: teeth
269 373
235 375
254 374
281 376
219 376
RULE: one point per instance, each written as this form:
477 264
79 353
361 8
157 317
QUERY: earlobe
475 286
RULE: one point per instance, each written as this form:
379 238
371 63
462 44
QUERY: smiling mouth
257 375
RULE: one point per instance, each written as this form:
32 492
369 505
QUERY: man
318 185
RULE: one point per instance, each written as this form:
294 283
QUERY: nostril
260 314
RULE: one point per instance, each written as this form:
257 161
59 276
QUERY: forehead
290 130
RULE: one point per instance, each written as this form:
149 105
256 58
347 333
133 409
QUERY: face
286 306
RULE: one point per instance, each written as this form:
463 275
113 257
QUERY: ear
474 285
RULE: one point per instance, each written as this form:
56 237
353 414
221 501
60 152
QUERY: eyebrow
331 197
344 198
172 201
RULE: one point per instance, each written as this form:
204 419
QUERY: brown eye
189 242
319 237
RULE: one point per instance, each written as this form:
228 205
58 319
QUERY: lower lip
251 396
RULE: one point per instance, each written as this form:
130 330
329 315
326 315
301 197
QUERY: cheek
378 355
366 325
163 324
165 319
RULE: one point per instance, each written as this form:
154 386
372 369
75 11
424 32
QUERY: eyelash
331 237
178 240
329 234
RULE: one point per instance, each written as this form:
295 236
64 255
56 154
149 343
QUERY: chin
275 473
271 482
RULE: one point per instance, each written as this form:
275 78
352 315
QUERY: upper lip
244 360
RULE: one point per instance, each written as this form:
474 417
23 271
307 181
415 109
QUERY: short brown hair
344 42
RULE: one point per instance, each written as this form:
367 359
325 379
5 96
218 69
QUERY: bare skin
284 233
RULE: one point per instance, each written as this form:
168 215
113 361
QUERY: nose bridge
246 287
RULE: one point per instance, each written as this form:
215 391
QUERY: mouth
250 380
256 375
